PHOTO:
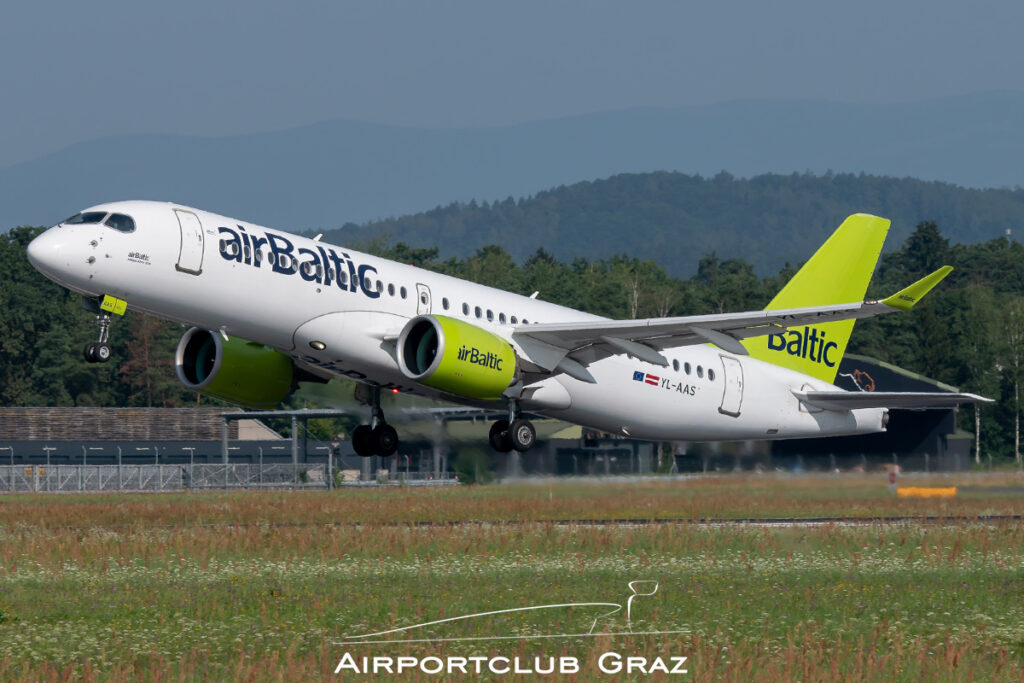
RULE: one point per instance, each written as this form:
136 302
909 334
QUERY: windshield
87 217
120 222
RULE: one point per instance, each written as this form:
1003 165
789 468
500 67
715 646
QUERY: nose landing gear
99 351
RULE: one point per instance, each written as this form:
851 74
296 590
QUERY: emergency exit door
732 393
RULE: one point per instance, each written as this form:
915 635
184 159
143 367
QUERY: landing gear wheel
522 435
499 437
362 440
99 351
384 439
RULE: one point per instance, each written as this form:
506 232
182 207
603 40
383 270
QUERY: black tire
102 353
499 437
89 352
522 434
385 440
362 441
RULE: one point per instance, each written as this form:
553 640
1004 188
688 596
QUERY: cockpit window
120 222
87 217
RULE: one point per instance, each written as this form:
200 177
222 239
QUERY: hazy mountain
675 219
324 175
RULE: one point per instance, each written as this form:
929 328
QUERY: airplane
269 309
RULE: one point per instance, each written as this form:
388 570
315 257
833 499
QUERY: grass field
262 585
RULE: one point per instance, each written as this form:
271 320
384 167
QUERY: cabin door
190 256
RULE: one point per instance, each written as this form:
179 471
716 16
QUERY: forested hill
675 219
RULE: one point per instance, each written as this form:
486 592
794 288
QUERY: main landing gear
378 437
515 433
99 351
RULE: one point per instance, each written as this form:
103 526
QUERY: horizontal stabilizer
908 400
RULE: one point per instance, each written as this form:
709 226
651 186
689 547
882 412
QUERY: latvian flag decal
646 378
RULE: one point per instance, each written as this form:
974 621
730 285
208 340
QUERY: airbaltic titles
323 266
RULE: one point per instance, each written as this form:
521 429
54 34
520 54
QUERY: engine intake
236 370
456 357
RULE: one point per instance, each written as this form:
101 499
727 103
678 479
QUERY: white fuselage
202 269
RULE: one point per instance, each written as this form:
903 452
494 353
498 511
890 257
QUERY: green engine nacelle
235 370
457 357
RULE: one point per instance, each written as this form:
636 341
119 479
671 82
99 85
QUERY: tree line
969 332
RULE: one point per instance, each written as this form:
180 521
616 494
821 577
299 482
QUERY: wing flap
908 400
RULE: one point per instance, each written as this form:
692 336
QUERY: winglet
905 299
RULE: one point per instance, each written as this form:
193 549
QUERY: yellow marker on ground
926 492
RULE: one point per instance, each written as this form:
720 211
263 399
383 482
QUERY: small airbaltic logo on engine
474 356
809 344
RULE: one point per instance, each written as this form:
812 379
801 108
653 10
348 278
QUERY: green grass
153 587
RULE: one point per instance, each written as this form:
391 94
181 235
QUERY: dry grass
685 498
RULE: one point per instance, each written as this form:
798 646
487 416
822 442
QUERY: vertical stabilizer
838 273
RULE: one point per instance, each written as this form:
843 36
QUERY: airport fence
160 478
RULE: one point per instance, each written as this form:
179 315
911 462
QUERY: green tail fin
838 273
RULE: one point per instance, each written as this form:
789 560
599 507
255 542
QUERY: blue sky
73 71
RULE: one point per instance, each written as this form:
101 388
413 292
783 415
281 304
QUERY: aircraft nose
45 252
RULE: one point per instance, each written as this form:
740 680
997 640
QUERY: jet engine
456 357
235 370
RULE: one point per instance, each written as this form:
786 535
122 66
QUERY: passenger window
490 316
402 292
380 287
675 365
501 318
514 320
465 309
525 321
343 277
686 368
391 289
711 375
478 312
700 371
444 302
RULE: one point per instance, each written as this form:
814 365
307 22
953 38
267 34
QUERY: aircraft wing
570 347
851 400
